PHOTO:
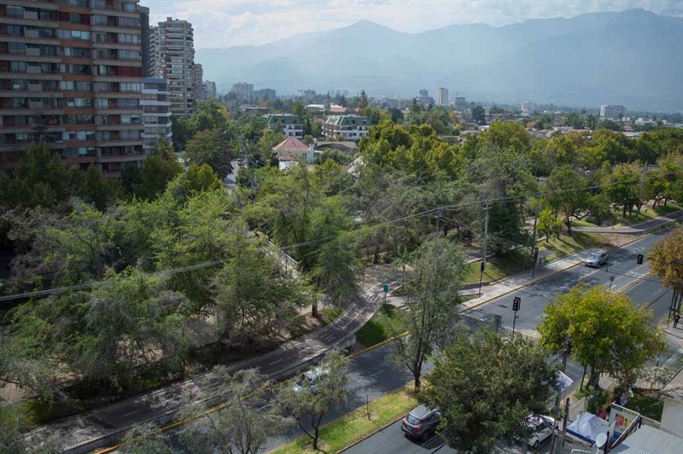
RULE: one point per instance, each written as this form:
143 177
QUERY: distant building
612 111
198 82
528 108
306 93
424 98
210 89
460 101
156 112
243 90
290 125
351 127
292 147
442 97
264 94
254 109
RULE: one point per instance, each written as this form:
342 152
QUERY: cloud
223 23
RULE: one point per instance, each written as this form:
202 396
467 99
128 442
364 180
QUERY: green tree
155 175
362 102
144 439
210 114
307 406
592 122
211 147
432 312
97 189
607 332
243 424
13 440
486 386
568 194
574 120
666 262
548 225
622 189
478 113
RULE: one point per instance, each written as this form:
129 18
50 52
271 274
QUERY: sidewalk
642 228
102 427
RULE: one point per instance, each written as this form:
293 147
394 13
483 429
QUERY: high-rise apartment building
442 97
156 111
210 89
243 91
198 82
172 58
70 73
612 111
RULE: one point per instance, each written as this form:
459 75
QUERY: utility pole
642 181
564 424
534 251
486 236
565 357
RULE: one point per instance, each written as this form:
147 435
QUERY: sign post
533 267
386 290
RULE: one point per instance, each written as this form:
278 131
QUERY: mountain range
634 58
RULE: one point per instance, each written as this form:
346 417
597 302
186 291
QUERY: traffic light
515 303
640 259
483 266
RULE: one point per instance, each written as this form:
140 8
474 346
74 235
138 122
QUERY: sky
225 23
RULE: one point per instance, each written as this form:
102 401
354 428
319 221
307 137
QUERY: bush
596 400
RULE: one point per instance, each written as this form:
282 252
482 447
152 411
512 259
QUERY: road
622 267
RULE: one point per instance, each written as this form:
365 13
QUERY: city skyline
221 23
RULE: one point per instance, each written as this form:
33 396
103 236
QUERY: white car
309 380
542 428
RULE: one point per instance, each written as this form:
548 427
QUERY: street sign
516 303
639 260
386 288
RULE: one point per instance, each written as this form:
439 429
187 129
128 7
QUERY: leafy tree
13 441
211 147
478 113
396 114
243 424
144 439
362 102
568 194
666 262
592 122
609 124
181 132
97 189
574 120
210 114
607 332
431 313
155 174
623 187
486 386
506 135
309 407
548 225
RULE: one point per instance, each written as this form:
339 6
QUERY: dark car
421 422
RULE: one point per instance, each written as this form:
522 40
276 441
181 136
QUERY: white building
172 58
243 90
612 111
350 127
528 108
442 97
156 112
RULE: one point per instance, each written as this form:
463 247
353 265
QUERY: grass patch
350 428
669 208
647 406
330 314
569 244
379 327
498 267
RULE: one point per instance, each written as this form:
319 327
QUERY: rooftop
347 120
284 119
648 440
289 145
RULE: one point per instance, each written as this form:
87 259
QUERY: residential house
350 127
294 148
290 125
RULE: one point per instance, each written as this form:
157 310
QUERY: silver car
309 380
597 259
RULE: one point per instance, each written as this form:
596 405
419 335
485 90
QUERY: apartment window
130 119
127 38
75 69
128 22
76 52
78 102
102 54
99 4
128 55
78 135
48 51
18 67
16 48
80 119
15 30
47 15
129 135
19 85
101 103
99 19
130 87
128 103
73 152
15 11
100 37
130 7
76 35
103 86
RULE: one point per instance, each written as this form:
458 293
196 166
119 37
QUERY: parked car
309 380
542 428
421 422
597 259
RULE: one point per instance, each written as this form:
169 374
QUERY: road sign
386 288
639 260
516 301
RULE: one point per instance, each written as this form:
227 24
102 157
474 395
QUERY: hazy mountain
632 58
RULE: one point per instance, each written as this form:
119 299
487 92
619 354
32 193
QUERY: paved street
622 267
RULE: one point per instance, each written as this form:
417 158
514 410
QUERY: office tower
442 97
70 74
172 58
612 111
243 90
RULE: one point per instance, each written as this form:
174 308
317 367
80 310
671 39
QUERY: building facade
612 111
198 82
210 89
290 125
442 97
172 58
70 77
243 90
156 112
350 127
264 94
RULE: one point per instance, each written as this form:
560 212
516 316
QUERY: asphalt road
622 267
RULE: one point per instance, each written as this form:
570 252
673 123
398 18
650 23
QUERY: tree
666 262
478 113
245 421
548 225
396 114
486 386
97 189
309 406
144 439
592 122
13 440
155 174
622 189
362 102
568 194
431 313
574 120
211 147
607 332
210 114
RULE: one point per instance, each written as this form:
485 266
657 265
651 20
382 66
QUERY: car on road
421 422
597 258
310 379
542 428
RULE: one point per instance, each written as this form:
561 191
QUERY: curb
371 434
